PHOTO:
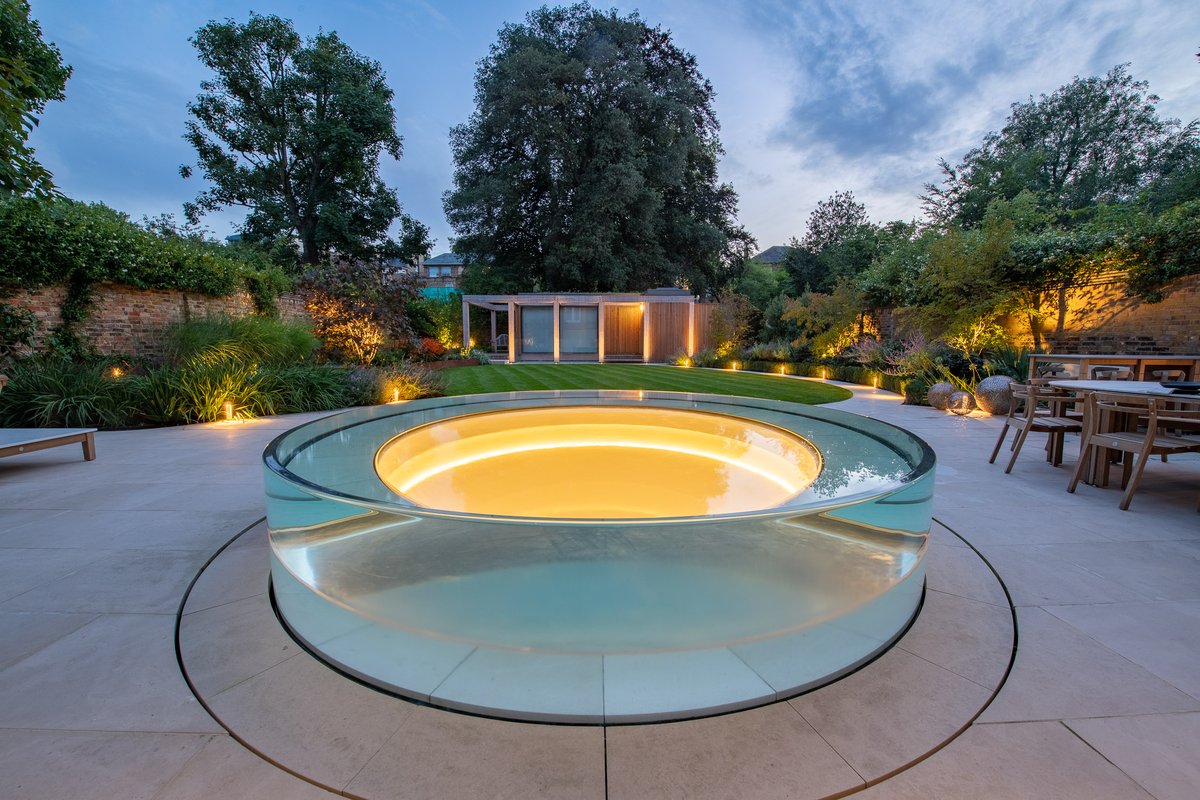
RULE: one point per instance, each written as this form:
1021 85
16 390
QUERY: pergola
656 323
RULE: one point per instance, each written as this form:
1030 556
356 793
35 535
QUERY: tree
1097 139
293 130
828 322
833 221
31 75
760 284
414 243
356 306
838 242
590 162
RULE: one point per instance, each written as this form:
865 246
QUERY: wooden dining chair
1137 428
1025 416
1105 373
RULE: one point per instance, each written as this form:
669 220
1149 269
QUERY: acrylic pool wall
597 621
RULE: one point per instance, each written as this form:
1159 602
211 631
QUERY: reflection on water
591 462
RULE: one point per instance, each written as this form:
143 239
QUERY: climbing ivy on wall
78 245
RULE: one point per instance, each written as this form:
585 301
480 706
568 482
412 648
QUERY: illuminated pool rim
385 590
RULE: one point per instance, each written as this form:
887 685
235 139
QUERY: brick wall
130 321
1102 319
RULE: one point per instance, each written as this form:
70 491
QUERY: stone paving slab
893 710
92 703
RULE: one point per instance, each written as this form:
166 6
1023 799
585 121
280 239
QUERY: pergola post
556 343
466 325
645 333
600 331
493 339
691 345
512 332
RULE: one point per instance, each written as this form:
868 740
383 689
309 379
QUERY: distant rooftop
446 258
773 255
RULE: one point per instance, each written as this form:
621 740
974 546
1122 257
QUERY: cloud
877 92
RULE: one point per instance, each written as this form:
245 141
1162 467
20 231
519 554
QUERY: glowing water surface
595 462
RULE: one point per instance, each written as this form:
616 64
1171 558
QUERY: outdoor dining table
1139 365
1134 388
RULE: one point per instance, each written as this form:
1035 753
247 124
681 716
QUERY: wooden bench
14 441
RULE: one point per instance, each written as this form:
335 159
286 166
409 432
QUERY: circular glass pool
597 556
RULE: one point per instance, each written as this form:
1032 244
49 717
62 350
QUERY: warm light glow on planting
395 394
229 412
116 372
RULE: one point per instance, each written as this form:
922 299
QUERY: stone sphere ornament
961 403
938 395
994 394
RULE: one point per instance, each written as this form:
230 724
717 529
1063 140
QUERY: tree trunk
308 244
1036 323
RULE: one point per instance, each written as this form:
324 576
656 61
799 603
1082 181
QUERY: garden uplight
229 412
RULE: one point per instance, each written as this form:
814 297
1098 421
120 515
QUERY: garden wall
1101 318
126 321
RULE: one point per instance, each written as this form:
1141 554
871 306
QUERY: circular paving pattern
307 718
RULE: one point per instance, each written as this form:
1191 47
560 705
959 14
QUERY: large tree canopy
1094 140
590 162
293 130
839 242
31 75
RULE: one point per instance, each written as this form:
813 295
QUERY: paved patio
1102 701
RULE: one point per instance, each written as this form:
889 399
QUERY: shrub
244 340
55 393
355 306
17 327
777 350
440 319
199 392
401 382
349 333
307 387
1008 360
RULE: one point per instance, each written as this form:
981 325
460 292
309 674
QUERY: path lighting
875 382
117 372
395 394
733 365
229 412
782 369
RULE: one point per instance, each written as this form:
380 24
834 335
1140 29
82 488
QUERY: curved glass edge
334 556
594 689
378 564
284 448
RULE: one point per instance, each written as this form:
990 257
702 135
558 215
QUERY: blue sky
814 96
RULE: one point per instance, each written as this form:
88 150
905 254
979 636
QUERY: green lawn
534 377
